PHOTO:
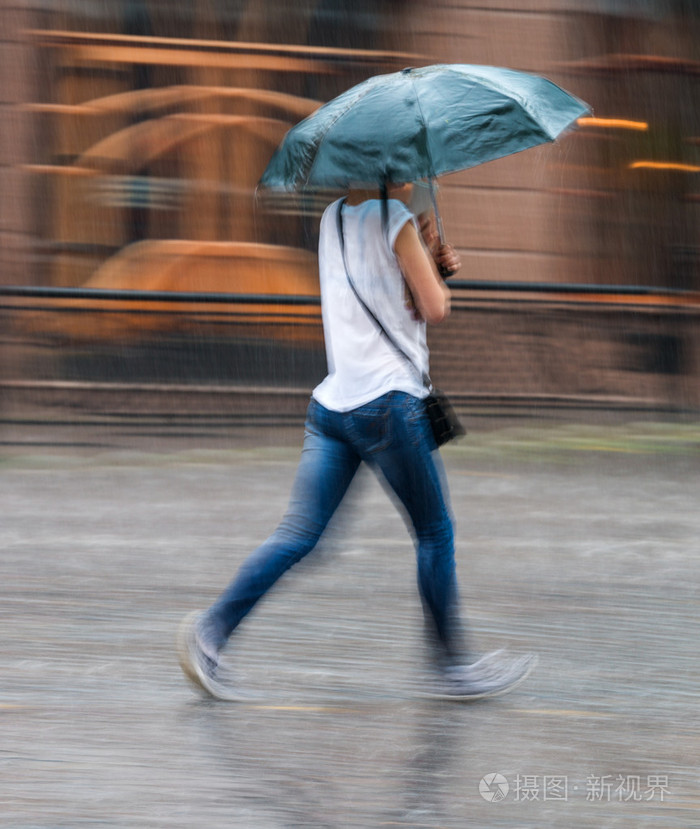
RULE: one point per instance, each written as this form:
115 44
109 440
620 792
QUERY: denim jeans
393 435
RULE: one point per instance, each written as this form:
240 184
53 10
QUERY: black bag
443 419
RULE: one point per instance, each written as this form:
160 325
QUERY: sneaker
490 676
199 659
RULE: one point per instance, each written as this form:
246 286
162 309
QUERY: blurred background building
134 132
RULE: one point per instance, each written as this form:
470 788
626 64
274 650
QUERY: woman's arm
429 292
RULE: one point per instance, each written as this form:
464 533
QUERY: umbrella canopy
421 123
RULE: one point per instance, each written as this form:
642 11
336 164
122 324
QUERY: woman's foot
490 676
199 658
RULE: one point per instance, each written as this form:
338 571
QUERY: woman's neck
358 196
401 192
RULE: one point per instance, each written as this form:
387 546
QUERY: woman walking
380 286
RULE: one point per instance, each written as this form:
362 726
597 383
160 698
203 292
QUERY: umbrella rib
360 93
425 126
523 99
433 198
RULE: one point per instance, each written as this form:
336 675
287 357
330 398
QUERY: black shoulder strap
425 379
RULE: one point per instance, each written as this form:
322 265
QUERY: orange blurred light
613 123
664 165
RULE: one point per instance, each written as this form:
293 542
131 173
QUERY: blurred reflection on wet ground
578 543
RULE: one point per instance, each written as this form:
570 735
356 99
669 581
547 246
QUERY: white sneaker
490 676
199 659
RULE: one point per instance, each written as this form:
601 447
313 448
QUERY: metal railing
208 298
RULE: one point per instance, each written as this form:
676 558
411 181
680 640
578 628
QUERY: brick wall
19 75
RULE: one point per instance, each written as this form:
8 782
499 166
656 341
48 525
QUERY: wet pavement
578 542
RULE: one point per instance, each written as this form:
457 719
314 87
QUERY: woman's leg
413 469
326 468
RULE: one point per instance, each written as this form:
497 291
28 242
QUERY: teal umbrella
419 124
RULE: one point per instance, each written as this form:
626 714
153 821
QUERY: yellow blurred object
665 165
183 266
613 123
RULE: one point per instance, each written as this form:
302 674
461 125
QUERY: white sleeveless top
362 365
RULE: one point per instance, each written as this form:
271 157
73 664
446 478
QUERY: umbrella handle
438 218
438 222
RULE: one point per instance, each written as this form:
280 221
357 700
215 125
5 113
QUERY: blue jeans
393 435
